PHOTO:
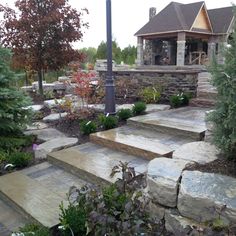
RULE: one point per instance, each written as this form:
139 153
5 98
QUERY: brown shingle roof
180 17
221 19
174 17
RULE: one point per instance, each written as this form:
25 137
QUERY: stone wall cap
162 71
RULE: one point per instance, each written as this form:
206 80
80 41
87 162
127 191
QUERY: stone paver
202 195
199 152
54 117
54 178
10 220
94 162
54 145
32 198
163 178
123 139
46 134
140 142
187 121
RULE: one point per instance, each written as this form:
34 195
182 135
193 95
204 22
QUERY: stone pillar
221 52
180 57
140 51
211 51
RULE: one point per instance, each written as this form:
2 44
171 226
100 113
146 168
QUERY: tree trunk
40 82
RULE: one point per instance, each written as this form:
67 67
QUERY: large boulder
179 225
199 152
163 177
205 196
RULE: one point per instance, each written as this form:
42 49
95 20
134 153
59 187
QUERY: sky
128 16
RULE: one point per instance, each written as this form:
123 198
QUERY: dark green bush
20 159
118 209
73 218
88 127
178 100
150 95
186 99
124 114
139 108
224 115
13 116
3 156
34 229
108 122
175 101
11 144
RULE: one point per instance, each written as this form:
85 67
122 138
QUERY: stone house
184 34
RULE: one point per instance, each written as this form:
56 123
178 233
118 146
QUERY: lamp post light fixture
110 106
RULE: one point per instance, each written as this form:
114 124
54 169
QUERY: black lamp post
110 106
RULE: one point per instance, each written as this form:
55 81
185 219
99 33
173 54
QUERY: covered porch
179 48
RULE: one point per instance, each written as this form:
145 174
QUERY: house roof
181 17
221 19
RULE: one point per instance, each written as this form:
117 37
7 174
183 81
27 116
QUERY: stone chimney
152 12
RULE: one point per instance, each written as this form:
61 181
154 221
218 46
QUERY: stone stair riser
206 95
18 209
171 130
85 175
127 148
198 102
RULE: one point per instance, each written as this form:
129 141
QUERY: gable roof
181 17
221 19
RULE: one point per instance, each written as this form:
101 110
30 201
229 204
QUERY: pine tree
13 116
224 116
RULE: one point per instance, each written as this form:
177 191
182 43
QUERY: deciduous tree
41 32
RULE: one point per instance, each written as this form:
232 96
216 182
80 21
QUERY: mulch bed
222 166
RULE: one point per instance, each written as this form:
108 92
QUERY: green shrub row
110 122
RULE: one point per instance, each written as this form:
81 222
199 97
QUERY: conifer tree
13 116
224 116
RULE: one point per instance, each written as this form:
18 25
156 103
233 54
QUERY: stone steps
36 193
207 94
10 220
186 122
31 198
94 162
202 102
138 141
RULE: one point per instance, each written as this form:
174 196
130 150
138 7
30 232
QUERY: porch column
140 51
221 50
180 57
211 51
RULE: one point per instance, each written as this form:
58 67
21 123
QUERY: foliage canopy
223 117
40 32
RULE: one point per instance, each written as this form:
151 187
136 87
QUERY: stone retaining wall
129 83
189 199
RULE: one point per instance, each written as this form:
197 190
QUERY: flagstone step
202 102
54 178
140 142
10 219
30 198
207 94
186 122
94 162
